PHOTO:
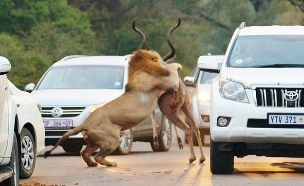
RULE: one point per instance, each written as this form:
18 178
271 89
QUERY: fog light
205 118
223 121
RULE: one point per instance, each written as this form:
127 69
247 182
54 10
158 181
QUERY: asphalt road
145 167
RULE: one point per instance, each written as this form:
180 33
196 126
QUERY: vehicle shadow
284 167
296 166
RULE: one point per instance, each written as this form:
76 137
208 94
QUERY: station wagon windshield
267 52
83 77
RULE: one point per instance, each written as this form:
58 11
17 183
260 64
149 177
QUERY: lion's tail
74 131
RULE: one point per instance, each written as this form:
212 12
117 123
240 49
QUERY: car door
4 107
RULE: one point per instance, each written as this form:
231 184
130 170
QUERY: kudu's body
170 104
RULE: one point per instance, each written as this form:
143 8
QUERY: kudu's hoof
156 145
181 146
202 160
191 160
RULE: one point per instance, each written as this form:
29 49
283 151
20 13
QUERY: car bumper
52 139
249 124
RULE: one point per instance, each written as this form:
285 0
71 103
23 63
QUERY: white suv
21 130
257 101
199 86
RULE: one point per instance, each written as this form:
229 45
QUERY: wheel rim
27 153
166 132
125 139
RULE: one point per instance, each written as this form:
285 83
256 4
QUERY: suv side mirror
29 87
189 81
5 65
208 64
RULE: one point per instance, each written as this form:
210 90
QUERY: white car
77 85
199 86
257 100
21 130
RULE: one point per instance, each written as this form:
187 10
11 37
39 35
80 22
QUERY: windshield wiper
278 66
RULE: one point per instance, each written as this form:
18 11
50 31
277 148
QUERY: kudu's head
169 57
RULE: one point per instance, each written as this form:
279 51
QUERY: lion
148 78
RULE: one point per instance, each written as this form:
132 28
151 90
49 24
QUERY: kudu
174 100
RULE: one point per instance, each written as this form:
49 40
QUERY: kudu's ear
142 35
170 56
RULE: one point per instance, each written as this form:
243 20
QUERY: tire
221 162
126 142
27 154
14 164
71 147
165 136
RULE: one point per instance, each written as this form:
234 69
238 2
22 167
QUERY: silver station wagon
75 86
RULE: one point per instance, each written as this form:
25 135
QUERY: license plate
58 123
286 119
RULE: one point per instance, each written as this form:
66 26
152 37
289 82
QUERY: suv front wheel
221 161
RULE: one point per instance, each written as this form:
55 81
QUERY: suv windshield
83 77
267 52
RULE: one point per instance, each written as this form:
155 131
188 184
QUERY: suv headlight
233 91
204 96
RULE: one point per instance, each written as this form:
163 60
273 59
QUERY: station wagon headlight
233 91
95 107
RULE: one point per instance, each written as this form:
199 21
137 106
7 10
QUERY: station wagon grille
46 112
274 97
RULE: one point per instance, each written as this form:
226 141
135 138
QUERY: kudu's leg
179 139
155 137
176 120
186 108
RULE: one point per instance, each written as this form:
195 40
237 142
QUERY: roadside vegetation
35 34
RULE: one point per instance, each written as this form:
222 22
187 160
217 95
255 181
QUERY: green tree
46 31
27 65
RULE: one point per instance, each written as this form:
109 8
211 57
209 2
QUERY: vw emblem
57 112
291 96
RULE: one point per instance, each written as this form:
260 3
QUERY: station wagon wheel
27 154
125 144
165 136
72 147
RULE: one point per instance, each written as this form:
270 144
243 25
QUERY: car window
206 77
267 51
83 77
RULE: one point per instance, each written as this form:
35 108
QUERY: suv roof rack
71 56
242 25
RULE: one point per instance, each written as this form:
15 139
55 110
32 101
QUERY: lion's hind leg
86 155
106 148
